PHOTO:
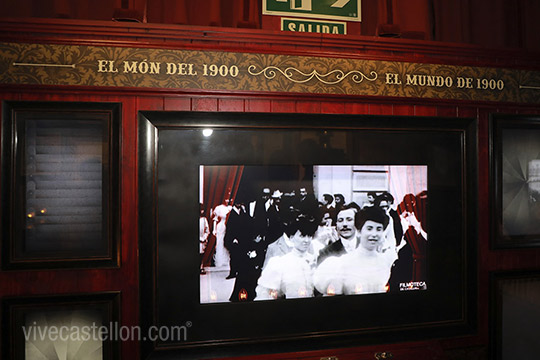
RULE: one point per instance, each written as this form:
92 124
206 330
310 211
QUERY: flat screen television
311 213
323 177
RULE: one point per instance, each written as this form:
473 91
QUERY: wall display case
194 165
515 315
515 175
60 185
83 326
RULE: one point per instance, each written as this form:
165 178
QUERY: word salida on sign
444 81
315 28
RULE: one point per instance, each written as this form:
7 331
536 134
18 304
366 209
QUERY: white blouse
290 275
358 272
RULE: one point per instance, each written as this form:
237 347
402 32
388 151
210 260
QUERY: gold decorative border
79 65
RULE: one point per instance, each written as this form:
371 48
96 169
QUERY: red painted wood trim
103 33
45 91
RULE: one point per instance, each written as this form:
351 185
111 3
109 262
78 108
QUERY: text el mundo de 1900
438 81
213 70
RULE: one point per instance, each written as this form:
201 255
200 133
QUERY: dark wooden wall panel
255 105
467 111
356 108
331 107
283 106
126 279
381 109
403 110
177 104
232 105
310 107
424 110
204 104
129 209
150 103
447 111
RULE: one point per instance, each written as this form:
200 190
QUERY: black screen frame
298 330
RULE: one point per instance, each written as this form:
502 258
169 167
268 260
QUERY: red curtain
220 183
416 204
229 13
490 23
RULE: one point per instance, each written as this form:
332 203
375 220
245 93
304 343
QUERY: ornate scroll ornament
290 73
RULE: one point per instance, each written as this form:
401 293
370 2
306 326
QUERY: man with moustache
345 240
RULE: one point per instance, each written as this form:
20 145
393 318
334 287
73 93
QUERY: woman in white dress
221 255
365 270
291 275
204 232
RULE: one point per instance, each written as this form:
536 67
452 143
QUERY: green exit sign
348 10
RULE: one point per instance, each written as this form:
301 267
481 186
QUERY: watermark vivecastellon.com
111 332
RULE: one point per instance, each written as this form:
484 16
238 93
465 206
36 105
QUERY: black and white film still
282 232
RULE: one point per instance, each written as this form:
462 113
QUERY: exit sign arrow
340 3
348 10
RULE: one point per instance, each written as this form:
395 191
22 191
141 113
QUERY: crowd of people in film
293 245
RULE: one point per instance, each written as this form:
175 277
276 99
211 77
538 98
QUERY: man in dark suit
385 202
258 210
274 214
327 206
238 232
339 201
247 252
346 240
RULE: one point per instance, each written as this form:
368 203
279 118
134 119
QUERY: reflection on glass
68 335
521 182
62 180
